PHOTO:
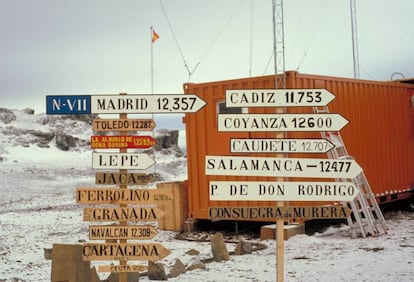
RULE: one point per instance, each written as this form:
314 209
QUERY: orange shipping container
380 134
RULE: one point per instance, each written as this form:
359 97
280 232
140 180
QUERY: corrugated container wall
380 133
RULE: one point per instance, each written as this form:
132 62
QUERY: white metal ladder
366 215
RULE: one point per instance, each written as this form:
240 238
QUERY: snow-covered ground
37 209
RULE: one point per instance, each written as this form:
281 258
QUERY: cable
190 72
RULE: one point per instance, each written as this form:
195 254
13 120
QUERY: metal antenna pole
354 38
280 82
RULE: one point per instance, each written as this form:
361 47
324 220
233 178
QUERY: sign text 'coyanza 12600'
280 122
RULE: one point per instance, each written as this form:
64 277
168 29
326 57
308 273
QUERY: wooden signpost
122 161
280 167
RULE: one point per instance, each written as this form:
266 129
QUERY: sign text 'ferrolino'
271 213
104 251
281 167
121 196
282 191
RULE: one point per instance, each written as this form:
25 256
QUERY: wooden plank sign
122 214
104 251
270 213
104 125
280 145
280 122
110 232
121 196
282 191
116 268
281 167
117 178
121 142
121 161
278 97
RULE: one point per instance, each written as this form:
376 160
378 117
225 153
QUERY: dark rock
243 248
156 271
64 141
7 116
193 252
28 111
218 247
177 269
197 265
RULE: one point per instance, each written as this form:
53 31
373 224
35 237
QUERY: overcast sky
56 47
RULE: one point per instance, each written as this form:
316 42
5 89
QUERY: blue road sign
66 105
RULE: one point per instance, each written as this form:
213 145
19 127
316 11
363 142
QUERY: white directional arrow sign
278 97
282 191
280 122
121 161
281 167
265 145
141 104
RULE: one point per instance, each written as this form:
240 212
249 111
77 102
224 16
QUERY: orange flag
155 36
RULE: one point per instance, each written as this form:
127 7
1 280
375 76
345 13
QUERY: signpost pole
123 276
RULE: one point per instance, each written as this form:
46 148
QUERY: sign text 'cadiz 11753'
281 167
280 122
278 97
124 104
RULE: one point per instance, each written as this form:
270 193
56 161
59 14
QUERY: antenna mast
279 44
354 38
